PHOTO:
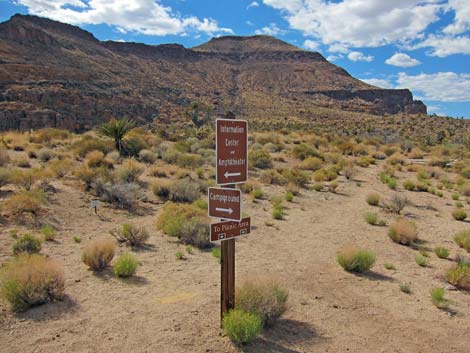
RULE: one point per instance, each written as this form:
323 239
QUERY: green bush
125 265
373 199
409 185
459 214
354 259
289 196
296 176
263 297
48 232
278 212
303 151
374 220
311 163
422 261
216 252
30 280
184 190
242 327
257 193
392 183
441 253
186 222
133 235
27 244
462 239
459 275
405 288
260 159
437 296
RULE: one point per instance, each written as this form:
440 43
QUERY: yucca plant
117 130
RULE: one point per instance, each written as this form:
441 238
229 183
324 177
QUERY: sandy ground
173 305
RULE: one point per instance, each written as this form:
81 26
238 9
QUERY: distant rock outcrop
54 74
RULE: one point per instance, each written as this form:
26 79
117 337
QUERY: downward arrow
227 174
226 210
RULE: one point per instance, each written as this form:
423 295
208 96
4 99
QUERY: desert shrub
31 280
465 189
129 171
124 195
25 178
242 327
403 232
48 135
389 266
373 219
459 275
88 143
459 214
405 288
422 187
98 253
296 176
409 185
422 261
311 163
27 244
23 163
131 234
184 190
161 189
325 174
437 296
397 203
289 196
186 222
303 151
273 177
456 196
188 160
201 203
317 187
354 259
125 265
462 239
4 176
45 154
333 186
25 202
4 157
373 199
264 297
48 232
147 156
364 161
441 252
392 183
61 167
349 171
257 193
260 159
77 239
216 252
94 159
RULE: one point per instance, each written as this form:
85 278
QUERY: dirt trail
173 306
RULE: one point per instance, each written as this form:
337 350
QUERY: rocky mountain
54 74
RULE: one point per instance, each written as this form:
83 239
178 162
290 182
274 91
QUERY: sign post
225 203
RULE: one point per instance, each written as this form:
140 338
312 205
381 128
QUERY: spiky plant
117 130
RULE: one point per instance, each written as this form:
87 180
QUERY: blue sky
423 45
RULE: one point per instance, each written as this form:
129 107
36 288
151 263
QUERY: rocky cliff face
54 74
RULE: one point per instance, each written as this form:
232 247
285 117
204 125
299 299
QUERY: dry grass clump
311 163
397 203
264 297
373 199
4 176
186 222
31 280
129 171
459 214
403 232
4 157
27 244
30 202
49 135
325 174
459 275
98 253
296 176
272 177
45 154
354 259
26 178
462 239
95 159
303 151
147 156
161 189
259 159
88 143
131 234
61 167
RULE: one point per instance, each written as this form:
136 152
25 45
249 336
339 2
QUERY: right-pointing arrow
226 210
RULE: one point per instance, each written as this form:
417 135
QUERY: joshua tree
194 113
117 129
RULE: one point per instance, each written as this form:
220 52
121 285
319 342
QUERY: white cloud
402 60
271 30
253 4
358 56
359 23
311 45
338 48
461 19
334 57
445 45
441 86
142 16
379 82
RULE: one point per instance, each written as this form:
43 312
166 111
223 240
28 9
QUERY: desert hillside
74 81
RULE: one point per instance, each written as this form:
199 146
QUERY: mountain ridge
75 81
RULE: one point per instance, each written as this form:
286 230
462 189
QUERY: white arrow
226 210
227 174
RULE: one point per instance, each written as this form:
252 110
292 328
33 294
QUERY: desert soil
173 305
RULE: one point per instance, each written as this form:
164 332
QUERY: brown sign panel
231 151
225 203
230 229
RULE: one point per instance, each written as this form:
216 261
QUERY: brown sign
230 229
231 151
225 203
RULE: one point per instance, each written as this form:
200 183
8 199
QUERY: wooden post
227 264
